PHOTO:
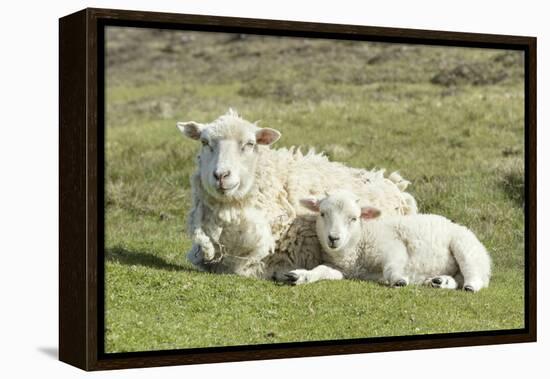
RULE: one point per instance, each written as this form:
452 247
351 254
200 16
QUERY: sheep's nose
219 175
333 238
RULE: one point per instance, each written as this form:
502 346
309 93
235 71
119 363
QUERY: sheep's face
229 154
338 220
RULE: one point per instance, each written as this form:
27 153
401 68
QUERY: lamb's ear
267 136
368 213
191 129
310 203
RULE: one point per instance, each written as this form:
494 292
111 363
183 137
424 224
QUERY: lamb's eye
248 146
322 214
353 219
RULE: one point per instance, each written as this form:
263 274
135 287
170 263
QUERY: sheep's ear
267 136
310 203
368 213
191 129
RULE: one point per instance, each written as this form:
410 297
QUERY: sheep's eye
322 214
353 219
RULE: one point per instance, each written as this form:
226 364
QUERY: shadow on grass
139 258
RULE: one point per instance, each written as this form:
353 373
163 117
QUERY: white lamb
245 214
398 250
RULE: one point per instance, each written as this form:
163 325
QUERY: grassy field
450 119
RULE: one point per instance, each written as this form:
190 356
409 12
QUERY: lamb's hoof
291 278
469 288
400 283
442 281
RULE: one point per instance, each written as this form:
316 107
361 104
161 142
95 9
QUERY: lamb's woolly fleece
414 248
243 235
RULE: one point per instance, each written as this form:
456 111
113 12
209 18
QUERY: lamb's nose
332 238
219 175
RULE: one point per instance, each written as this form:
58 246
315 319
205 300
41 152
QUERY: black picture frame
81 194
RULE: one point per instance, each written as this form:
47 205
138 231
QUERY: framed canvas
385 200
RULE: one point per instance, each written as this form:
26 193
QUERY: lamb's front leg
321 272
395 257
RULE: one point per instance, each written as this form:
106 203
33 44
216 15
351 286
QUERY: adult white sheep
398 250
245 196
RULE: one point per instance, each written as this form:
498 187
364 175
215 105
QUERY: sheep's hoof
400 283
469 288
437 280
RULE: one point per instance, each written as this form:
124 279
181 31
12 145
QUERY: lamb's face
229 154
338 220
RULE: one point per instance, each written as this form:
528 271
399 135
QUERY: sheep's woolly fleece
266 230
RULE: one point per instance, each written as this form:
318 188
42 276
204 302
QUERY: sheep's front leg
204 245
203 249
202 233
321 272
194 256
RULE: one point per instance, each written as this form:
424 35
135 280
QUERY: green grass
450 119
